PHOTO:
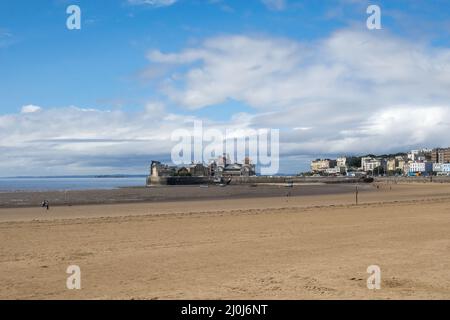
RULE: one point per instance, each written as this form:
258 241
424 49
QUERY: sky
107 98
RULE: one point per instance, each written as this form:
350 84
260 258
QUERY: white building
417 167
441 167
369 163
341 162
413 155
420 167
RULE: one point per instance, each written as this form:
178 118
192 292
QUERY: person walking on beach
46 204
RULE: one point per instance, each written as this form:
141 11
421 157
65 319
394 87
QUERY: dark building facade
440 155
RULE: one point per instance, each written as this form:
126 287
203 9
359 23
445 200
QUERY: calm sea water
62 183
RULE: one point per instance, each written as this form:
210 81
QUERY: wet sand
164 194
307 246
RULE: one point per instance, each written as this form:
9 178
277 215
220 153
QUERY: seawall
434 179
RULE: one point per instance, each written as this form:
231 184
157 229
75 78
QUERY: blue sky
110 68
101 63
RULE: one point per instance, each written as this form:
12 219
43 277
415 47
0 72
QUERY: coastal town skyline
407 156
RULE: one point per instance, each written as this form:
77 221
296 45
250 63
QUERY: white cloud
76 140
153 3
72 140
30 109
233 67
352 92
349 67
343 88
389 130
156 110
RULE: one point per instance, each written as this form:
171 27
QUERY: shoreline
264 199
159 194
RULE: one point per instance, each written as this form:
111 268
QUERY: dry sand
299 247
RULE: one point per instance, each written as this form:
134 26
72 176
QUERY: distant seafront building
422 168
400 163
441 168
322 165
413 155
395 164
158 169
198 172
440 155
419 162
370 163
223 167
341 162
391 164
420 155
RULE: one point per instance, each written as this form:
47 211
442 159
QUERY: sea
70 183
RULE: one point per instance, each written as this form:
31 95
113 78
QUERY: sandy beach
266 245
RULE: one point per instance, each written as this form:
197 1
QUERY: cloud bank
339 87
352 92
